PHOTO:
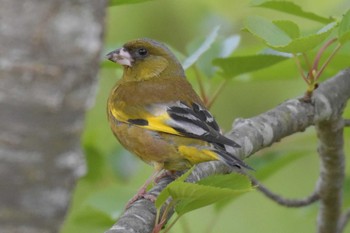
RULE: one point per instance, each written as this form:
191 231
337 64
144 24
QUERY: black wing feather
206 116
202 124
197 122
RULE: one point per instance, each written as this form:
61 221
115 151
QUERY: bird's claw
141 194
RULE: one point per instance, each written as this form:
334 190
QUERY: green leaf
232 181
162 197
164 194
122 2
304 44
229 45
193 196
277 37
267 31
212 189
221 47
202 49
294 9
288 27
234 66
344 28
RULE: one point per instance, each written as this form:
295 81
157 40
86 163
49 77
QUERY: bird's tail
231 160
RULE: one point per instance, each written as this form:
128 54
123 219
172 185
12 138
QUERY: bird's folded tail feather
195 154
231 160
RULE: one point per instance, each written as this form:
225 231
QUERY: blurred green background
289 167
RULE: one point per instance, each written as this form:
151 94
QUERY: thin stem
283 201
200 83
300 68
216 93
157 217
307 61
167 209
172 224
320 52
160 222
327 61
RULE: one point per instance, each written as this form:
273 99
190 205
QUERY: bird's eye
142 51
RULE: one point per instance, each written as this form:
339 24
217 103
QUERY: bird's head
145 59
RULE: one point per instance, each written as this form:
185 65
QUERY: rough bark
48 65
330 102
258 132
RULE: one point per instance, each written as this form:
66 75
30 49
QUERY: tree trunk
48 65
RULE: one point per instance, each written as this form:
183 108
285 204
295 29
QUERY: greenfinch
154 112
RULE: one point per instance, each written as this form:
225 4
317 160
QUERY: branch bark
284 201
329 127
48 66
253 135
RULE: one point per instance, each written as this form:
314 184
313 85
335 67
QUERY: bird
155 113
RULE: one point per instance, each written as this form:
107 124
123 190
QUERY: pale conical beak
120 56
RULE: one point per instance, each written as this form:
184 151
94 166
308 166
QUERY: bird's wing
176 118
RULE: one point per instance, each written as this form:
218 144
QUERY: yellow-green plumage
154 143
154 112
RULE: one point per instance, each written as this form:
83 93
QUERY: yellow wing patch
197 155
155 123
158 123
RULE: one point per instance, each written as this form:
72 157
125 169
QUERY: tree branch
329 124
252 134
284 201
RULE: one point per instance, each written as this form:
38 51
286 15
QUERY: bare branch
329 124
141 215
252 134
344 220
284 201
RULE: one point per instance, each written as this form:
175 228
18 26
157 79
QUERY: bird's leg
165 174
141 193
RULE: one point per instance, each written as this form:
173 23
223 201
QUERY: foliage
121 2
222 57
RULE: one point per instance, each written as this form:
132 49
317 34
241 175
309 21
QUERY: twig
344 219
284 201
172 224
201 86
216 94
307 61
300 68
321 51
327 61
